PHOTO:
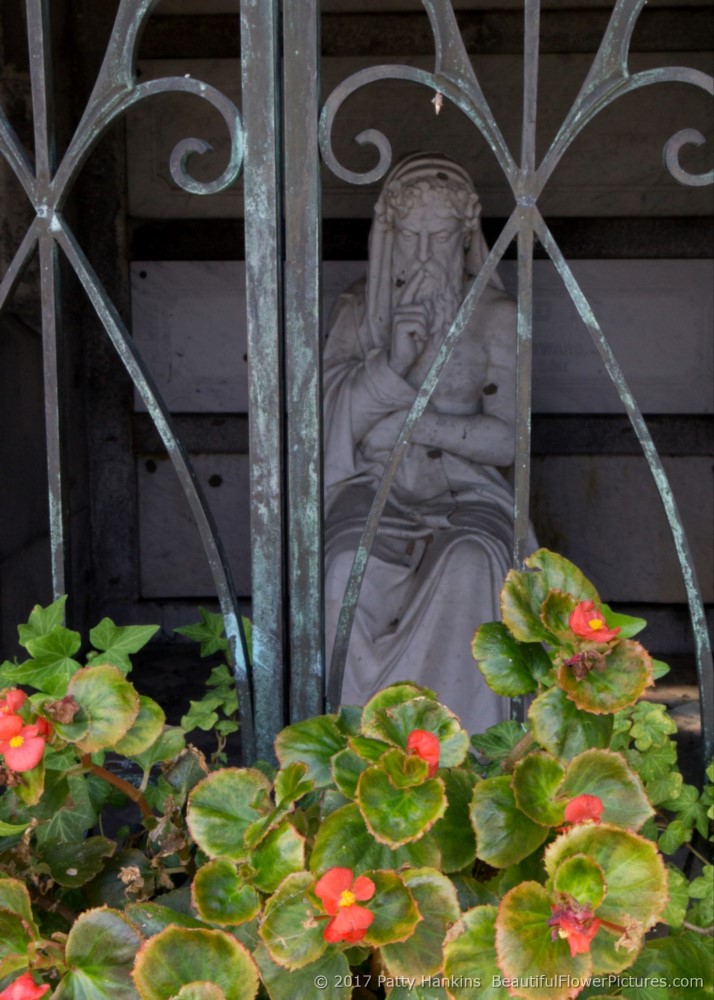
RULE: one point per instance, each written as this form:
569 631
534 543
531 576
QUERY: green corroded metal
454 78
47 185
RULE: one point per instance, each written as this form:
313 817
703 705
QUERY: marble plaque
173 563
604 513
614 167
189 322
658 315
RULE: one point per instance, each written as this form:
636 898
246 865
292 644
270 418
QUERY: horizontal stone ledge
664 238
494 32
551 434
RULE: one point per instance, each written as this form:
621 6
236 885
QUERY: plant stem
706 931
53 906
132 793
696 854
519 750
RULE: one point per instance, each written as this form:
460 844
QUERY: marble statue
444 541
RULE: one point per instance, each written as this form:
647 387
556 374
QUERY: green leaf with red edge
313 742
453 832
293 924
100 952
343 841
200 991
404 770
555 614
536 780
347 766
395 912
331 968
558 573
509 667
521 599
606 774
396 816
420 955
470 957
392 695
145 730
367 748
221 896
504 834
635 875
15 897
179 956
581 878
108 707
428 988
526 950
627 671
31 789
564 729
223 806
291 784
396 722
278 855
15 942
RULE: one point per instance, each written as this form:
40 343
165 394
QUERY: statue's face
428 241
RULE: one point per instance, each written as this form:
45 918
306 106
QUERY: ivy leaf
690 809
52 664
117 642
42 621
497 741
210 632
651 725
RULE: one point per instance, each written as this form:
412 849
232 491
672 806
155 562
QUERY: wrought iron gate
277 140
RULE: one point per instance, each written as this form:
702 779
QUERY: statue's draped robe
445 538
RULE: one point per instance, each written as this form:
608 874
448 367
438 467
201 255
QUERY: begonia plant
385 853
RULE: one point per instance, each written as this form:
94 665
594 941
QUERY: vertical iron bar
263 272
303 368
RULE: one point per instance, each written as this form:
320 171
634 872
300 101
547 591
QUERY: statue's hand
410 334
383 434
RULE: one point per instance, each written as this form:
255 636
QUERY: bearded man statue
445 538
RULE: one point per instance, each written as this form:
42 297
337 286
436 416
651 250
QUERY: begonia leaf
390 696
145 730
291 783
200 991
606 775
404 770
423 988
628 625
222 807
529 953
453 832
179 956
152 918
420 955
555 614
15 898
15 942
313 742
470 965
395 816
581 878
509 667
74 864
536 780
626 672
497 741
292 927
635 876
343 841
564 729
521 599
347 766
367 748
100 952
108 707
395 912
169 745
278 855
33 785
221 896
395 722
504 834
328 976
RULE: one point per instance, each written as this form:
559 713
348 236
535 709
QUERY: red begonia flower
583 809
11 701
577 924
20 745
425 745
589 623
24 988
340 892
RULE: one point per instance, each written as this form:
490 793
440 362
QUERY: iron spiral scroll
455 80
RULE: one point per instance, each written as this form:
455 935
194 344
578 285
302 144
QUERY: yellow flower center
596 624
16 741
347 898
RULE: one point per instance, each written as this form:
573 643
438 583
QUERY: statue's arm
488 436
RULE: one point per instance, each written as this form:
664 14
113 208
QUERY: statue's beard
436 288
